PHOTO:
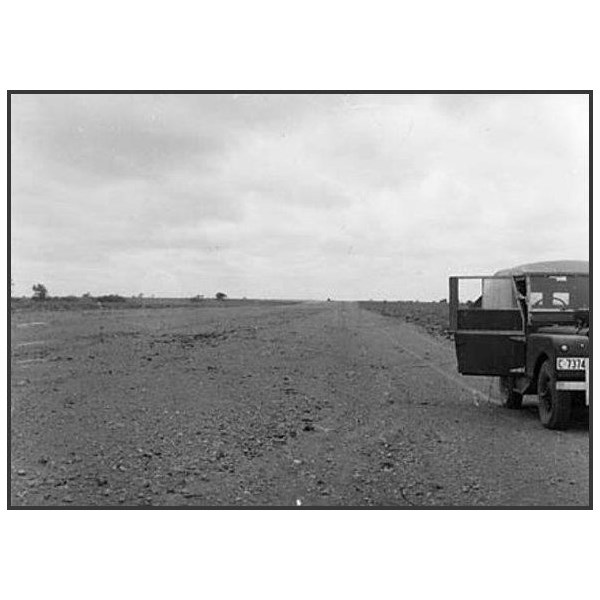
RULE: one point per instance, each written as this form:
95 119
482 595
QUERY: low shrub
110 298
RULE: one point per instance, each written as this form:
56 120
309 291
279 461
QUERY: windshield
559 292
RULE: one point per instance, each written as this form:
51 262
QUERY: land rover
530 327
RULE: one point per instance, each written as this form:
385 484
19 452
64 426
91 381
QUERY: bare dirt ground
312 404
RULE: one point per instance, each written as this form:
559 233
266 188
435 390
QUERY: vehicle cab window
558 292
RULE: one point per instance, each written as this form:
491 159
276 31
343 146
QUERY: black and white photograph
342 299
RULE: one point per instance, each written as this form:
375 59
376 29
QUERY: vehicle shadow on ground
580 419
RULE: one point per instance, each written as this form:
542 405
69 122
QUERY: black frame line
10 93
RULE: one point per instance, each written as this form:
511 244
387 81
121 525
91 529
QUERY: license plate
571 364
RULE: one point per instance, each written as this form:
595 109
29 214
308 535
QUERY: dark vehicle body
529 326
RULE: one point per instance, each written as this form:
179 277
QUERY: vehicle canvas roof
549 267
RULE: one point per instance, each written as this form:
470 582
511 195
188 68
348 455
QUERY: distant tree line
40 292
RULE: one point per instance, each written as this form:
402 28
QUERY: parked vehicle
529 326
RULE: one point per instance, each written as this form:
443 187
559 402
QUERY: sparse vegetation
220 296
100 302
432 316
110 298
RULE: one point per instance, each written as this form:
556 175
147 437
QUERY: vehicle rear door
488 326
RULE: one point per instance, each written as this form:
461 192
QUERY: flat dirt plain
305 404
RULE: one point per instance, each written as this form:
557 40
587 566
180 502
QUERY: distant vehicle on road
530 327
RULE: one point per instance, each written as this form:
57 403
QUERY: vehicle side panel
489 352
502 320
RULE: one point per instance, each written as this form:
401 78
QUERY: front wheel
554 406
510 397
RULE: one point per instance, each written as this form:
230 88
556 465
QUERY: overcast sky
292 196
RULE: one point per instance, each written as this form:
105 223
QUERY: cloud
292 195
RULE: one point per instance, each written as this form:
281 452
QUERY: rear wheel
510 397
554 406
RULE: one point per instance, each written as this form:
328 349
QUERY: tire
510 397
554 406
